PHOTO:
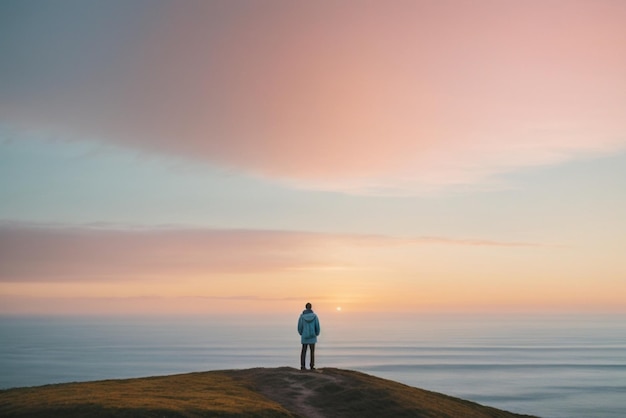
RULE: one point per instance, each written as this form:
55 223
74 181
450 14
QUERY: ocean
552 366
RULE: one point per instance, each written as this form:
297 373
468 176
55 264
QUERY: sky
237 157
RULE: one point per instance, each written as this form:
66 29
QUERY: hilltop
258 392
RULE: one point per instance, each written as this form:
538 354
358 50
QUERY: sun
338 308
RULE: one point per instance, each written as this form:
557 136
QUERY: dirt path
296 389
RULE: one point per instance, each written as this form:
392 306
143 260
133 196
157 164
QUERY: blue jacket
308 327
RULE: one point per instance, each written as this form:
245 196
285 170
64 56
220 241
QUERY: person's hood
308 315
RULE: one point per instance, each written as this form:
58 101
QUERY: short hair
308 306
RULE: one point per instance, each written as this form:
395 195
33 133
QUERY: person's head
308 306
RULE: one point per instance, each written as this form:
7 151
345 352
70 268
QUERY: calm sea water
550 366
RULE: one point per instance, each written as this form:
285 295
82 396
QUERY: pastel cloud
160 305
30 253
363 97
67 254
66 269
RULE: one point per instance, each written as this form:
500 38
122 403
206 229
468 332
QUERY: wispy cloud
398 98
63 253
160 305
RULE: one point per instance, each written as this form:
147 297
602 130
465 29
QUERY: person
309 329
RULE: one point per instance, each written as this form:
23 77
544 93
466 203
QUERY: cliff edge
258 392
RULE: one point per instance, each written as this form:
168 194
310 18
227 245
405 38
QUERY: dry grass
188 395
281 392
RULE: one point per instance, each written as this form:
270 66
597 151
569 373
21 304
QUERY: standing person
309 329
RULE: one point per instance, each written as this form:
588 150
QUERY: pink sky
369 97
401 155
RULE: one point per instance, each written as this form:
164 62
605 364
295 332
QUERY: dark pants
303 355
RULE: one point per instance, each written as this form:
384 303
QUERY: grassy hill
260 392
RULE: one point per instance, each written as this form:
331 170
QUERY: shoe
302 368
313 368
